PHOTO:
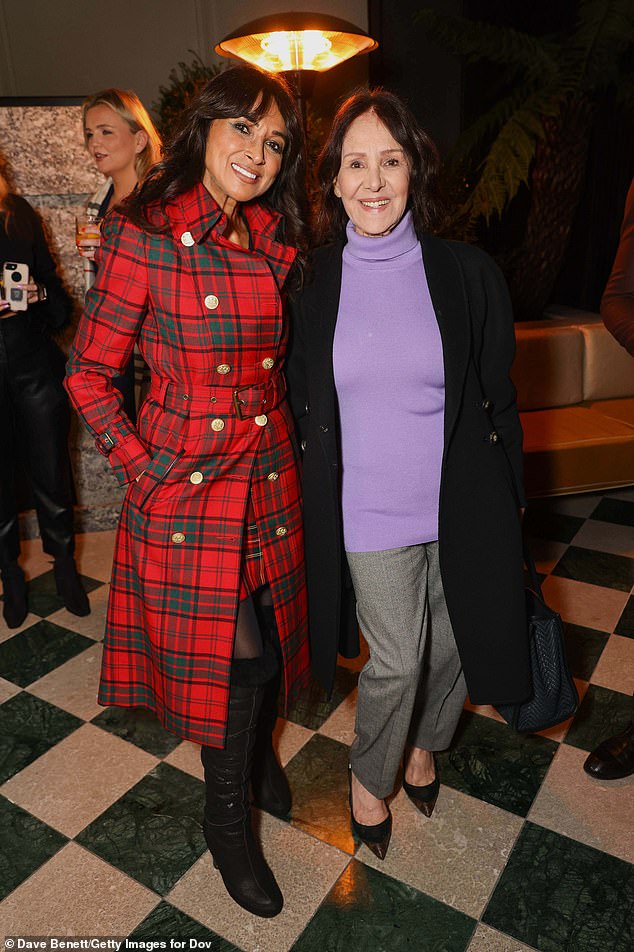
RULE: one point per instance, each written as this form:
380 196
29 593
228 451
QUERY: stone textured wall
54 173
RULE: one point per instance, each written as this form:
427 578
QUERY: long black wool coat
480 543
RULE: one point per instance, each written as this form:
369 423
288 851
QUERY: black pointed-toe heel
377 836
424 798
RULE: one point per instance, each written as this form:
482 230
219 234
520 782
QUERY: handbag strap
530 566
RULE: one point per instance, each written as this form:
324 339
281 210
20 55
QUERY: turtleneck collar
400 241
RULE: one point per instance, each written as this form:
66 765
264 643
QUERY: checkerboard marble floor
100 808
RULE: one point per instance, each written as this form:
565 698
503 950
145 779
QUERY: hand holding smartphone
15 277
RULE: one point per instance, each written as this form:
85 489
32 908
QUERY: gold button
178 537
196 478
223 368
217 425
261 420
281 531
273 476
211 302
187 239
268 363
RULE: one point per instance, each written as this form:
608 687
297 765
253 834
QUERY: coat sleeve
57 309
617 303
495 362
115 309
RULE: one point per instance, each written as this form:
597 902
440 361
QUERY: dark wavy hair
420 151
238 91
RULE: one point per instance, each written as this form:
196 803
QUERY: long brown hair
419 148
7 200
128 105
238 91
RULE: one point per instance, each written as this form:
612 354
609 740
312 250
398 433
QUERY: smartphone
15 273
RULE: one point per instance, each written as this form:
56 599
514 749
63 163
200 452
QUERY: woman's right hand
87 248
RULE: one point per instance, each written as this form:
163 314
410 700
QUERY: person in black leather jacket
34 412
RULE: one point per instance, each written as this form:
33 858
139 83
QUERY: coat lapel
446 287
325 294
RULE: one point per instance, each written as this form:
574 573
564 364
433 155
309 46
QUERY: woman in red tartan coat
193 268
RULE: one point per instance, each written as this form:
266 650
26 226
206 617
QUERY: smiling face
111 142
243 158
373 179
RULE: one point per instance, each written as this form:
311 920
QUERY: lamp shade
296 41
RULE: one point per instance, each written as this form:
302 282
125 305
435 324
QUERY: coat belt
244 402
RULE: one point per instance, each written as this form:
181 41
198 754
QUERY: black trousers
34 426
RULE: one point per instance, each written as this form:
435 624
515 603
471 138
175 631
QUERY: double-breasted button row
281 531
211 302
268 363
217 425
196 478
223 369
178 537
273 476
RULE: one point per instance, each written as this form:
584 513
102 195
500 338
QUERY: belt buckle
238 403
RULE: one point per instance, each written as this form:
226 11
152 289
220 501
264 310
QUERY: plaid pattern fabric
208 320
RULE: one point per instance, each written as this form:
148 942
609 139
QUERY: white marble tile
340 724
594 812
456 855
490 940
73 686
79 778
94 554
615 667
606 537
305 869
93 625
8 689
76 894
583 604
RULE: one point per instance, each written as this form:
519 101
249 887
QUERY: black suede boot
69 586
227 822
14 607
271 791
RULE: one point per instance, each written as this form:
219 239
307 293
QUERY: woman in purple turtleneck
399 378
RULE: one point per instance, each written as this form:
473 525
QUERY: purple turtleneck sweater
390 384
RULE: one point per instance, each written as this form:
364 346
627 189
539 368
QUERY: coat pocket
155 474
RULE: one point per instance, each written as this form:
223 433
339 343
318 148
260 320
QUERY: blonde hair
128 105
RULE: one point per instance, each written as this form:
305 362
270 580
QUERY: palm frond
542 102
605 29
482 41
506 167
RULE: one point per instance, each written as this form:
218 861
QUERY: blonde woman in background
124 145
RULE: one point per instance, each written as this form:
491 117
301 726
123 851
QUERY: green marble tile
596 568
583 649
28 728
318 775
626 621
167 922
153 832
25 844
366 911
490 761
615 510
140 726
42 593
313 708
554 526
602 713
556 894
34 652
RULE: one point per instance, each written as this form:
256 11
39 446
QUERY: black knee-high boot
227 822
271 791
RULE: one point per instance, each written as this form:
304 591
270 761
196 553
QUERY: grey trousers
412 688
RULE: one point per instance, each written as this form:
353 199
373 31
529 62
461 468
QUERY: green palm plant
537 132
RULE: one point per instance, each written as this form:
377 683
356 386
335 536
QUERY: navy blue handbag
554 698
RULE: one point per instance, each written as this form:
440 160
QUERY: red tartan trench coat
214 431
